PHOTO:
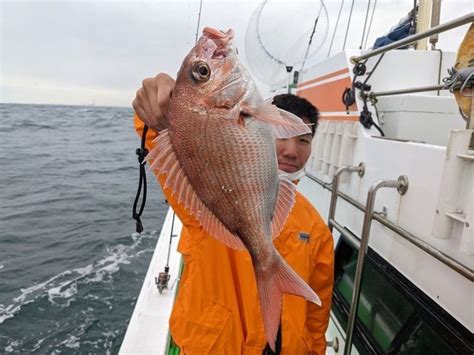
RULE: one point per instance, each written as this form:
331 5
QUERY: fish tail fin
272 283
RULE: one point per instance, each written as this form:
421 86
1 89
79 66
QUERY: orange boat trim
327 97
324 77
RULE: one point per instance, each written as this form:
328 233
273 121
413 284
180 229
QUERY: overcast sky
84 52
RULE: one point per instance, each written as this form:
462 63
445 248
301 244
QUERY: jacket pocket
198 336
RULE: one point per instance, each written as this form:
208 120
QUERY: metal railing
413 38
436 253
372 95
362 244
401 185
360 170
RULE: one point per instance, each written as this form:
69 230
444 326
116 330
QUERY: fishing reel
163 279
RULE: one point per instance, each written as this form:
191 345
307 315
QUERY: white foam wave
62 291
11 346
71 342
38 344
64 287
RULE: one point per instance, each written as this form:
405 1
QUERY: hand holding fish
152 101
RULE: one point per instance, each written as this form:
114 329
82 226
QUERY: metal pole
413 38
360 169
346 234
423 23
436 253
171 241
406 91
401 185
164 277
435 14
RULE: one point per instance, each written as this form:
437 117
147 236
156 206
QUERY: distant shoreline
63 105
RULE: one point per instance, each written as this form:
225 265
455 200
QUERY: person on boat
217 308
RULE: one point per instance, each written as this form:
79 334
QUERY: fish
220 161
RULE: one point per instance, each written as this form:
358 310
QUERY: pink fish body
220 160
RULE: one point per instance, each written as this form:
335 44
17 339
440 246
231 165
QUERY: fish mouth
221 40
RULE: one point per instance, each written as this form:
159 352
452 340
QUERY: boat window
424 340
383 310
393 317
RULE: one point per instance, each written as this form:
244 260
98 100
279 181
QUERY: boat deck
148 330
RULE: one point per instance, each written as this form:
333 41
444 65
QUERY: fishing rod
164 277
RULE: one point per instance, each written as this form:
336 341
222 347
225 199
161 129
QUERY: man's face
293 153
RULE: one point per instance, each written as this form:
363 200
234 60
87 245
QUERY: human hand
152 101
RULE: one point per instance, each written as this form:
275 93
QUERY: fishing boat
392 173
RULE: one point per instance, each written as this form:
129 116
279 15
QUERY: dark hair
298 106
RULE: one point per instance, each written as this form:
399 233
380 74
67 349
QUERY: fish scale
252 194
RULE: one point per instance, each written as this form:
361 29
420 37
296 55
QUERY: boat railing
379 217
401 184
455 81
361 243
416 37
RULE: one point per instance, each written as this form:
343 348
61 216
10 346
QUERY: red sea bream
220 160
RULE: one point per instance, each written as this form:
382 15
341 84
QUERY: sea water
71 263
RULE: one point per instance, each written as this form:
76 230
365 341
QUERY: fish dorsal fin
284 124
164 160
284 204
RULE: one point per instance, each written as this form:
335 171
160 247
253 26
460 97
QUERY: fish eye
201 71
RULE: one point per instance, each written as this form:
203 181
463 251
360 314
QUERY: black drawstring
141 152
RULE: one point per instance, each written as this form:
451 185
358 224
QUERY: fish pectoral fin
284 124
284 204
272 283
163 159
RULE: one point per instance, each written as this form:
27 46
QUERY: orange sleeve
321 280
150 135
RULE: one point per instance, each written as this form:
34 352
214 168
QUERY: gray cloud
75 52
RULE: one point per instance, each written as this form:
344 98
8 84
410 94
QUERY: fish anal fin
166 162
284 204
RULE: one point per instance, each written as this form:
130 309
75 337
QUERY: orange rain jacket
217 309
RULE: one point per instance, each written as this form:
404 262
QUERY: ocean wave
71 342
66 291
11 346
61 288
